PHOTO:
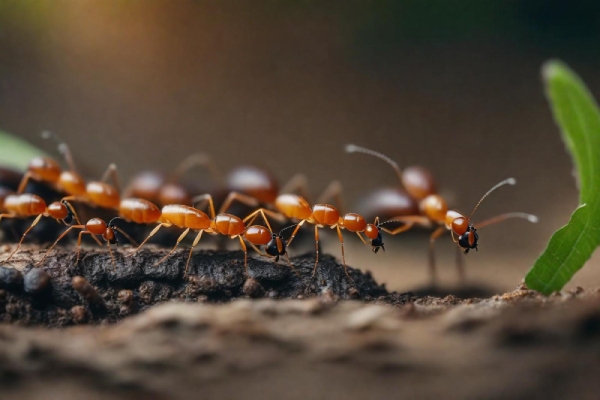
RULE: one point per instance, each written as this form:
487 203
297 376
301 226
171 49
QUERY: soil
93 330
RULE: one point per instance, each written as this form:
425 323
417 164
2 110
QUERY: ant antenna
63 148
352 148
112 225
286 228
196 160
391 221
508 181
499 218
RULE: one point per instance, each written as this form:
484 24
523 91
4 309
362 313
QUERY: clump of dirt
62 291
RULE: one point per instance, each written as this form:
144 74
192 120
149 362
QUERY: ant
249 185
433 210
158 188
28 205
191 218
321 215
139 211
47 170
93 227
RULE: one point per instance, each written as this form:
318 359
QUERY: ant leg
111 172
290 265
211 205
259 251
183 235
408 220
112 256
293 235
24 182
398 230
34 223
317 247
63 148
76 217
436 234
249 220
131 240
332 191
460 266
239 197
79 245
499 218
297 184
245 254
62 235
361 238
196 160
252 218
149 236
341 237
196 240
8 215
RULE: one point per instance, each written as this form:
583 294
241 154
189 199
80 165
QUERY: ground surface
283 336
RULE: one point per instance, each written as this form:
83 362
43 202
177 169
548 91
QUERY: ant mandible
433 209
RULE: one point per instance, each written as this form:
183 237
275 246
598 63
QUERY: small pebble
36 281
88 292
252 288
79 314
353 293
328 295
125 297
10 278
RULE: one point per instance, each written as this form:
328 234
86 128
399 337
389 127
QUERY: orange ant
433 209
191 218
249 185
321 215
93 227
139 211
156 187
28 205
47 170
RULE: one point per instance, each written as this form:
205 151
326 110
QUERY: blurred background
453 86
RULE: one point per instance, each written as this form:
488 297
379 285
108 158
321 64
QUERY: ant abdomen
254 182
44 169
418 182
139 211
387 203
230 225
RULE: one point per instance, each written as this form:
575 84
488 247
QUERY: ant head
469 239
276 246
373 232
110 234
71 215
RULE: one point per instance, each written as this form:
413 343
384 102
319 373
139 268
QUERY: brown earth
200 343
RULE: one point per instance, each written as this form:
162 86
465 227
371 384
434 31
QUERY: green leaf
16 153
578 117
